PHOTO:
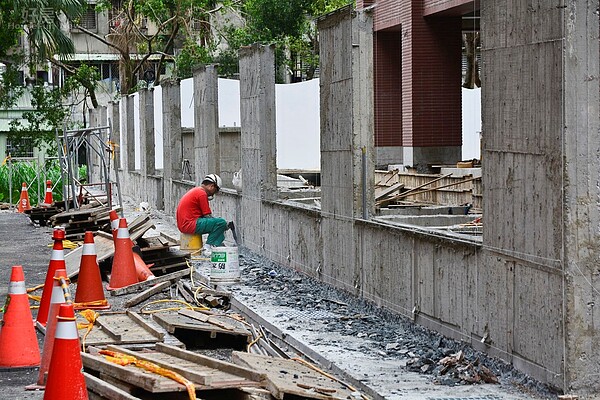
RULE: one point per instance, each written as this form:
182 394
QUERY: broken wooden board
200 330
206 373
105 390
292 378
136 287
120 328
146 294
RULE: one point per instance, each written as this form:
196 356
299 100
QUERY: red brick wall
449 7
388 88
417 90
432 83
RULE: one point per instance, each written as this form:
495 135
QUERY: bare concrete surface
21 243
371 345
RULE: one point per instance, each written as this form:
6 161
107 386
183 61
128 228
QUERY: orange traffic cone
123 267
65 375
24 200
18 341
48 199
141 269
57 261
114 223
90 293
60 295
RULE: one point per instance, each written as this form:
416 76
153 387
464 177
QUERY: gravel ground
21 243
385 351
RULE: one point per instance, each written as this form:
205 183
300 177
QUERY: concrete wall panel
512 24
230 154
304 240
538 326
339 249
387 259
336 184
275 227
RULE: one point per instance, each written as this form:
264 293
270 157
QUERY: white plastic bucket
225 265
201 265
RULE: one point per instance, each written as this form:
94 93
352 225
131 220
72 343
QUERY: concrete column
115 132
257 108
172 156
103 139
92 159
541 118
346 54
581 143
127 134
206 121
147 145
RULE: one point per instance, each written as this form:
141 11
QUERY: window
89 19
19 147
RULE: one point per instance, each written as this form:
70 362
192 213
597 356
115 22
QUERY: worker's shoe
207 250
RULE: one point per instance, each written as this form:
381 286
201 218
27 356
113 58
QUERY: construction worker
194 215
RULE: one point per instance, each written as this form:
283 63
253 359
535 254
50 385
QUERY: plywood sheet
119 328
289 377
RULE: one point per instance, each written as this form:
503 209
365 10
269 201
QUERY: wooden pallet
290 378
207 374
206 331
124 328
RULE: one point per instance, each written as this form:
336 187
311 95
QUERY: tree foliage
286 23
38 23
51 108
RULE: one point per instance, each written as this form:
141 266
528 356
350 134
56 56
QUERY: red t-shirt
193 205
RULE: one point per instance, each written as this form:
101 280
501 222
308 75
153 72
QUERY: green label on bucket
219 257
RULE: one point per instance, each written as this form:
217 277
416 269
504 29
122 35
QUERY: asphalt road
21 243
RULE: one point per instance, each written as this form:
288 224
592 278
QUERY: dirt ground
380 349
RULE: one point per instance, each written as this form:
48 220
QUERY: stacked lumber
77 222
248 376
162 254
206 374
41 215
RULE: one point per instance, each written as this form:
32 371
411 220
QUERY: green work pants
215 227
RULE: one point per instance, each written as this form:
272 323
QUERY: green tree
286 23
38 24
181 35
51 109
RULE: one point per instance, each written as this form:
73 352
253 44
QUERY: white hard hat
213 178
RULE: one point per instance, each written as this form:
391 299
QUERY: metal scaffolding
95 141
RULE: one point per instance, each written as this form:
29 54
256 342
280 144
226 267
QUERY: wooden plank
224 366
203 377
210 319
293 378
172 321
131 374
185 292
390 190
136 287
159 287
120 328
105 389
144 324
172 363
